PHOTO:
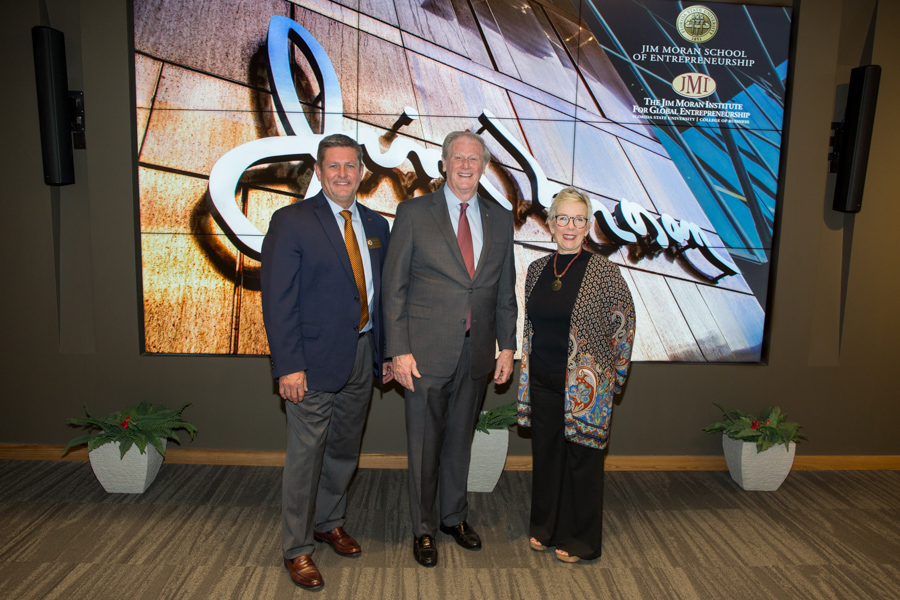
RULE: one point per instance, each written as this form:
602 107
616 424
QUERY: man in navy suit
321 290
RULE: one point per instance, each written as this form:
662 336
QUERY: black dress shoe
464 535
425 551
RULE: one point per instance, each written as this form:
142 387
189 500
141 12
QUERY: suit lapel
332 232
487 234
374 253
442 217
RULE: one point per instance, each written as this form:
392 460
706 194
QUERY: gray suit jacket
427 291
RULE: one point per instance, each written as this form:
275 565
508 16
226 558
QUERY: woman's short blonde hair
569 194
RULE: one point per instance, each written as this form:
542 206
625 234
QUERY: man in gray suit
449 301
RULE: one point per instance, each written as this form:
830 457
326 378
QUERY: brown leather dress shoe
338 539
304 572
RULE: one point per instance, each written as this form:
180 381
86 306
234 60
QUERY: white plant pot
132 474
757 471
488 459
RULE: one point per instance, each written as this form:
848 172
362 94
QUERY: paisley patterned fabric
601 336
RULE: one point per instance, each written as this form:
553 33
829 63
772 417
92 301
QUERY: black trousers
567 485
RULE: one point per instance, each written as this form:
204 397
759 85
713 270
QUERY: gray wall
70 318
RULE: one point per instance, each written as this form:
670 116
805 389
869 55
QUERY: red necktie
464 239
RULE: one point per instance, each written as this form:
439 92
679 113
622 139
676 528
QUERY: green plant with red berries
770 429
139 425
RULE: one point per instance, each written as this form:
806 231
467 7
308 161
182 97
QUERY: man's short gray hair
455 135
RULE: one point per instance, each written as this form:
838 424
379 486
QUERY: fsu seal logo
697 24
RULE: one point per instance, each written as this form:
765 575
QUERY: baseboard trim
261 458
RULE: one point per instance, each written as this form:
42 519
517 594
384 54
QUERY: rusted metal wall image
232 97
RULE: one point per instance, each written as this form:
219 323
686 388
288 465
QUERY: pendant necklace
556 285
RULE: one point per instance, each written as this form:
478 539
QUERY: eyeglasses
579 221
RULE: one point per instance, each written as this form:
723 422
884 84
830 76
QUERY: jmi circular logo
694 85
697 24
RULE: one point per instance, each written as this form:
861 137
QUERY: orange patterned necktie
356 262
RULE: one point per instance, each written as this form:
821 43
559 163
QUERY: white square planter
488 459
132 474
757 471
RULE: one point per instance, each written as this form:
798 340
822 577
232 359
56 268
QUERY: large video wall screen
667 114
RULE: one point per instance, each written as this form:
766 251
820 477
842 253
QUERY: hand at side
504 367
405 369
292 387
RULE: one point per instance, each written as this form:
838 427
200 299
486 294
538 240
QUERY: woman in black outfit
579 331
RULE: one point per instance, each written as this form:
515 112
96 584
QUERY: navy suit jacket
309 298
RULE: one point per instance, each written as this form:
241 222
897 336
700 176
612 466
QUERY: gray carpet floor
214 532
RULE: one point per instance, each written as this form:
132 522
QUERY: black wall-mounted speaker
54 106
855 138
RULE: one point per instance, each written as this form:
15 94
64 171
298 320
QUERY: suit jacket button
471 290
356 298
462 320
356 328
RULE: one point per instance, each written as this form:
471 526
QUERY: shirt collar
337 208
454 202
